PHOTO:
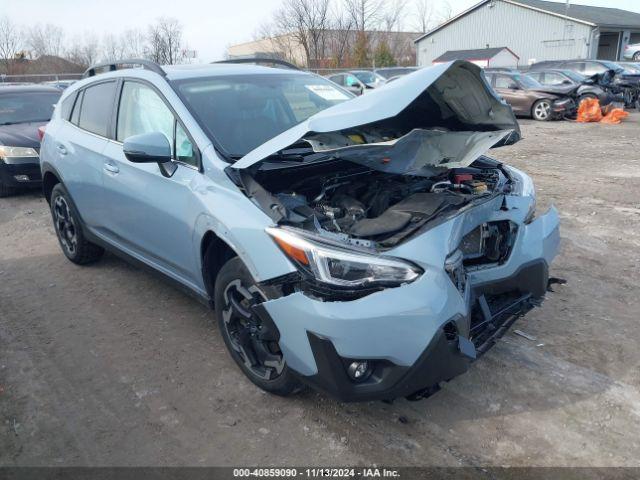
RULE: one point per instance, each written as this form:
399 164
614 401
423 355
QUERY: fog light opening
451 331
21 178
360 370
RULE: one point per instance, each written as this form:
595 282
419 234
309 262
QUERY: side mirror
514 86
566 82
147 148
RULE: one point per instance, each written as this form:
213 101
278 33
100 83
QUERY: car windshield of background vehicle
27 107
241 112
612 66
366 77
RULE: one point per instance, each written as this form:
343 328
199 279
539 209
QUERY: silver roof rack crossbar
260 60
113 66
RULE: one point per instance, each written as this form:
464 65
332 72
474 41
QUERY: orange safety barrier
614 116
589 111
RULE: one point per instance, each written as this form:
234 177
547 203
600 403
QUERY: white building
534 30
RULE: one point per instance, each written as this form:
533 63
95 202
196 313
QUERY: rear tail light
41 131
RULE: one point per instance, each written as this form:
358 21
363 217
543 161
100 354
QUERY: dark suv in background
23 110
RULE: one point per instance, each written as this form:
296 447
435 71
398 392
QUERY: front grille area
490 242
492 315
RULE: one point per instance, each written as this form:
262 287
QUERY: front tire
636 57
251 343
68 228
541 110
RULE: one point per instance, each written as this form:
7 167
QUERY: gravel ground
107 365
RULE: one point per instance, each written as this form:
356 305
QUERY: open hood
439 117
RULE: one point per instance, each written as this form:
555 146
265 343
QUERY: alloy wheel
244 329
65 225
542 110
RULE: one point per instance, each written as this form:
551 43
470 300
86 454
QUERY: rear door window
553 78
67 105
97 106
75 115
503 81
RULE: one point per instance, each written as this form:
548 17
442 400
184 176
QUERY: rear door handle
61 149
109 167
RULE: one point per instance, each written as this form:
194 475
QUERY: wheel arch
49 180
214 253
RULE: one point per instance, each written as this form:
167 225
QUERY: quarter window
96 108
142 110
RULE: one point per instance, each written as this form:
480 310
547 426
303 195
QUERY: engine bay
367 207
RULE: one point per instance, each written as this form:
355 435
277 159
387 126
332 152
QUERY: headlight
523 186
17 152
342 267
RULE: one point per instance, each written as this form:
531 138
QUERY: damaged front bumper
425 332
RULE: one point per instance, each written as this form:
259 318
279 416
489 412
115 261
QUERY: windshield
527 81
241 112
27 107
365 77
392 72
629 68
611 65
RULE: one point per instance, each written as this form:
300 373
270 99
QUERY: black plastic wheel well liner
49 180
214 253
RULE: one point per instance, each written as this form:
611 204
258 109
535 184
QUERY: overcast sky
209 25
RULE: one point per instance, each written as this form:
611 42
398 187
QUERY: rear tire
636 56
68 228
259 358
541 110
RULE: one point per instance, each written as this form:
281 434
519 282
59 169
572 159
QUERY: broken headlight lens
523 186
342 267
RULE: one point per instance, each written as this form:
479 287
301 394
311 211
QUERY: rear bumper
20 172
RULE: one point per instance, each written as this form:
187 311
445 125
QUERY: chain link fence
51 78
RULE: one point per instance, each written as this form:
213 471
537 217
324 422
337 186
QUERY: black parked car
23 109
610 75
573 84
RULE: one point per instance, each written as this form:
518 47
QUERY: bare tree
393 15
340 32
365 14
45 40
445 11
165 41
84 50
306 22
10 43
113 47
134 43
424 15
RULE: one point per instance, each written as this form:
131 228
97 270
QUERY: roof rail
112 66
259 60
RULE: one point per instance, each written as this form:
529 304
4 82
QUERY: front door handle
109 167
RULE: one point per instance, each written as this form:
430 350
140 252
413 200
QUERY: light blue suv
365 246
